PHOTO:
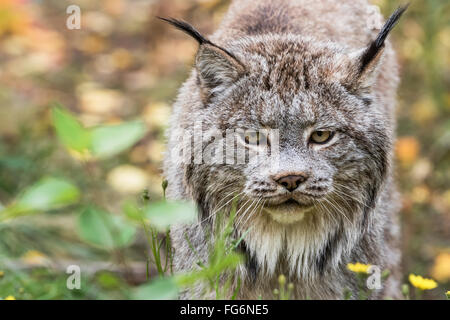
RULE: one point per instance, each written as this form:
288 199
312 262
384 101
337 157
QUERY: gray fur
295 66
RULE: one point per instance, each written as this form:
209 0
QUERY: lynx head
334 137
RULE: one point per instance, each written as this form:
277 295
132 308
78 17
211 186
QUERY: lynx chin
323 75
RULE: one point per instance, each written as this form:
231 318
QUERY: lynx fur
306 68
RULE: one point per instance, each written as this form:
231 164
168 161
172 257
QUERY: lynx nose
292 181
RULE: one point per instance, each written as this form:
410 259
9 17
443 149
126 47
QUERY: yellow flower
422 283
448 294
358 267
10 298
2 274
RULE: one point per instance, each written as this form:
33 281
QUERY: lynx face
328 128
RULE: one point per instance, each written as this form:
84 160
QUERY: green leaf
104 230
132 211
70 131
111 140
159 289
123 232
108 280
102 141
164 214
93 228
47 194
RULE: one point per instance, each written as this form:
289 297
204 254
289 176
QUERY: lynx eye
321 137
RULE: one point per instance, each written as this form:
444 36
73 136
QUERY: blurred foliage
122 65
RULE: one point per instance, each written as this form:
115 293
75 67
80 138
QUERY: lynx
322 74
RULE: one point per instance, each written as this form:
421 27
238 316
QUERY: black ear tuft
217 67
194 33
187 28
375 47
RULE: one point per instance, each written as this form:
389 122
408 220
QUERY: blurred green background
123 65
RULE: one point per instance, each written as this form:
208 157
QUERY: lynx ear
217 68
368 59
